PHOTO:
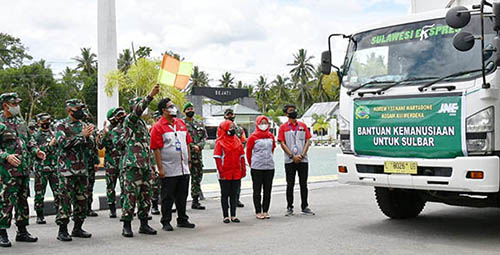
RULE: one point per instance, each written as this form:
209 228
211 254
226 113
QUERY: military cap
111 113
10 97
43 116
74 103
134 101
187 105
228 111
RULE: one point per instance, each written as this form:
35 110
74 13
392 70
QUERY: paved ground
347 222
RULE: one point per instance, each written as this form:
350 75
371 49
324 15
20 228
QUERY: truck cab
419 110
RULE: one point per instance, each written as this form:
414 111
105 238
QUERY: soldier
199 135
135 166
155 187
229 115
46 170
16 149
115 117
72 136
91 161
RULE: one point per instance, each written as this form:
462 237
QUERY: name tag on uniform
295 150
178 146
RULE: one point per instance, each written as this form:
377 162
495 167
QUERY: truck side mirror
463 41
326 62
496 43
458 17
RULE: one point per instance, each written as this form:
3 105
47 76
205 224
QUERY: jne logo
450 108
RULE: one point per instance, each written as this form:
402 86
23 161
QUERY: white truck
420 109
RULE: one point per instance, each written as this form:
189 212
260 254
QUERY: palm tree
262 94
87 62
281 87
125 60
199 78
319 90
304 95
226 80
302 68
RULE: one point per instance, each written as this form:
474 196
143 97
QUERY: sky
247 38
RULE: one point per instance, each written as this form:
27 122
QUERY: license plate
400 167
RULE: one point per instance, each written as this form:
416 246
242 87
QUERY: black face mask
292 115
45 125
190 114
231 132
78 114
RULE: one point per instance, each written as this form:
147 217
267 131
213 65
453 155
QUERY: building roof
325 108
238 110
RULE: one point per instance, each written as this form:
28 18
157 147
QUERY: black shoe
24 236
127 229
146 229
167 227
154 208
197 206
240 204
63 234
40 218
174 210
236 220
185 224
289 212
91 213
4 239
307 211
226 220
150 217
79 232
112 211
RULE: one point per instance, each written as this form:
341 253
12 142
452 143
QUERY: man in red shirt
294 137
169 141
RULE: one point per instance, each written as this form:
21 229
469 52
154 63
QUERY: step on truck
420 109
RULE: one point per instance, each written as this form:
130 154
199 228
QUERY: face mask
292 115
172 111
263 127
231 132
190 114
78 114
45 125
14 110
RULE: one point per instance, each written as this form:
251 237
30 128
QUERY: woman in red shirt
230 159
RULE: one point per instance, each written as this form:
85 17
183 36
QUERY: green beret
110 113
74 103
10 97
187 105
134 101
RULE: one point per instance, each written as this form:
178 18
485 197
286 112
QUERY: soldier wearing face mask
45 170
17 147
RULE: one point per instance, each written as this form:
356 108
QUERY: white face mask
14 110
263 127
172 111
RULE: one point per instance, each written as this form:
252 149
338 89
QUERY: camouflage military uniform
14 181
91 159
111 160
45 170
198 134
135 165
72 171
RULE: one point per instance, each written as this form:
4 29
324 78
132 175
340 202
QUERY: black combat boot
90 212
154 208
4 238
195 204
63 234
24 236
146 229
78 231
40 218
127 229
112 210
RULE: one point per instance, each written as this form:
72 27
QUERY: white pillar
106 56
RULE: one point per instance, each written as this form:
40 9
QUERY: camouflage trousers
41 181
111 180
136 190
72 193
155 187
14 192
196 178
90 187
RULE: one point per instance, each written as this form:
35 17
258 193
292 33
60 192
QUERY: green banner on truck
418 127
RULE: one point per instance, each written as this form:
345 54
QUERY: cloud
245 37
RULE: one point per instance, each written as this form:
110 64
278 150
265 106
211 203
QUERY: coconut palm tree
304 95
281 88
320 91
302 68
125 60
199 78
262 95
226 80
87 62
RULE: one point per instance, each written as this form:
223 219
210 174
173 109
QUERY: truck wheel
399 204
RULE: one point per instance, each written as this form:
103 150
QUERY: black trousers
174 190
302 169
262 179
228 190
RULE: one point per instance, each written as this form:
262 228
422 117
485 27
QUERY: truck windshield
416 50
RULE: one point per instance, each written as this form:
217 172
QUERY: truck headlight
480 128
345 138
344 125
